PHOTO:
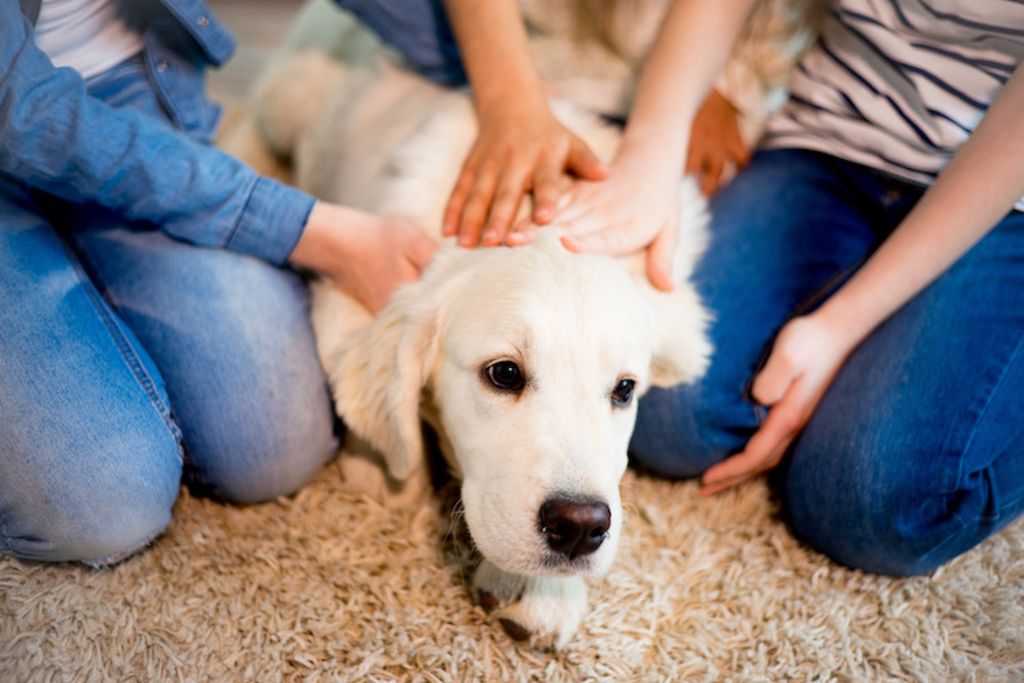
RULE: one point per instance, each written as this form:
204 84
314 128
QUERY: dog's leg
546 610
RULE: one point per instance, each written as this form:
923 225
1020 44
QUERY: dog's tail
290 94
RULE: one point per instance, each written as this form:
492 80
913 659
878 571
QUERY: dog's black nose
574 528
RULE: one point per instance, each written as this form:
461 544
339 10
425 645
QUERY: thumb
660 257
771 383
422 251
583 163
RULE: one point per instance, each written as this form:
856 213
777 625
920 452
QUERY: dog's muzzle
574 528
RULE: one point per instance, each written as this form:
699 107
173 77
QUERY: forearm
977 188
496 53
690 51
56 138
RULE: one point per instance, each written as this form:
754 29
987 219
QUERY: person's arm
636 207
520 146
981 183
56 138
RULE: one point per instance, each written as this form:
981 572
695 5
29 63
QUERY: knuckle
507 194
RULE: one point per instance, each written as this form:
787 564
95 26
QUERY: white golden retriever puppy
527 362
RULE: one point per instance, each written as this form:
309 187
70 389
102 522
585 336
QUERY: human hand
715 142
635 208
366 256
518 149
805 358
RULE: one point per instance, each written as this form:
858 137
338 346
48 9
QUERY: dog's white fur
387 141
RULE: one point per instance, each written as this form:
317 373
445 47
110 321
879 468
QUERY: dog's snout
574 528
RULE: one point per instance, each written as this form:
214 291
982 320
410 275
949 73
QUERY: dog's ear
682 349
381 372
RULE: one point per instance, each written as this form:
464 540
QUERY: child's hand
636 208
518 150
806 355
366 256
715 143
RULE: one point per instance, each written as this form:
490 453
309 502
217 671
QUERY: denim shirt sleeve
56 138
419 30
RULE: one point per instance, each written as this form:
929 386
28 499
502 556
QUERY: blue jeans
916 452
129 360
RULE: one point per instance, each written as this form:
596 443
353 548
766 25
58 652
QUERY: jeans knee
268 458
680 434
883 522
118 534
100 518
878 547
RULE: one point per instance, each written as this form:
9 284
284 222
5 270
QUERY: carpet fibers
331 585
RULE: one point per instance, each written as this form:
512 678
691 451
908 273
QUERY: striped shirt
899 85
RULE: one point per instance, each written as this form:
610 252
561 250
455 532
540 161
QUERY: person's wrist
647 161
840 324
326 237
656 149
525 100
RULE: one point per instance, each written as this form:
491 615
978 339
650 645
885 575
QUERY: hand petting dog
367 256
716 146
805 358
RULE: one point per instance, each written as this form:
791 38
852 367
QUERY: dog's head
529 362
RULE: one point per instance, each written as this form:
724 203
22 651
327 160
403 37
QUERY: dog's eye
623 392
506 375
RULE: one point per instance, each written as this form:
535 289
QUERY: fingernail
489 236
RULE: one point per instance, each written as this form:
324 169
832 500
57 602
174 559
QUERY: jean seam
128 353
951 536
1008 504
984 411
956 533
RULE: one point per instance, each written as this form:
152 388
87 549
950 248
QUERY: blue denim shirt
56 138
419 30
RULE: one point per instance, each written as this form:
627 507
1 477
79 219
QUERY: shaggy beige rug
334 586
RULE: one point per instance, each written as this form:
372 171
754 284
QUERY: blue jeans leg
781 231
90 460
916 452
90 455
231 336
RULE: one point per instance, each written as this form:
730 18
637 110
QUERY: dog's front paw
546 611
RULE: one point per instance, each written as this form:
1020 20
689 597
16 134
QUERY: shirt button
203 21
161 66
